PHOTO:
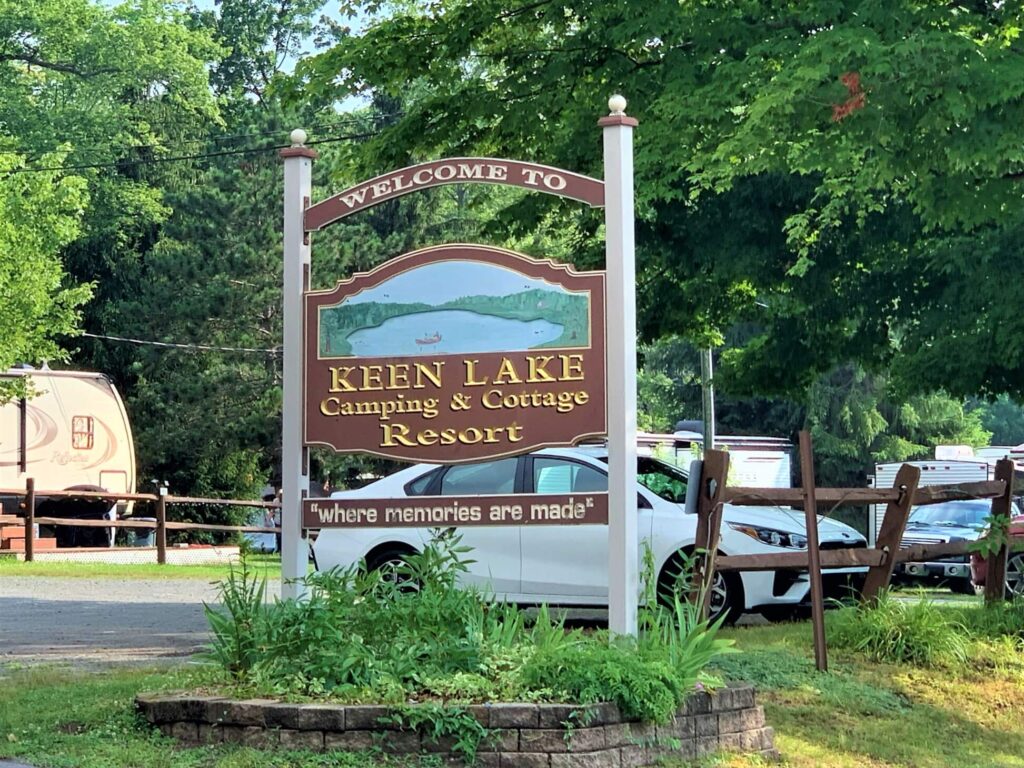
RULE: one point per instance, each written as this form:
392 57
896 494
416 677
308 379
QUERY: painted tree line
829 192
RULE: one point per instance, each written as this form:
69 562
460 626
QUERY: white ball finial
617 105
298 137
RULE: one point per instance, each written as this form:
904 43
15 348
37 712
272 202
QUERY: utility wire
211 138
183 158
204 347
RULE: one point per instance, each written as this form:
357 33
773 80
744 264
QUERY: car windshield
952 513
667 481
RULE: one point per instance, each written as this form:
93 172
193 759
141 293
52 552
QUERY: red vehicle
1014 566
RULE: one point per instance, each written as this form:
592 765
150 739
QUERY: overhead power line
211 138
183 158
203 347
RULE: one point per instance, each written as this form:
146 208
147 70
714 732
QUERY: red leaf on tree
857 97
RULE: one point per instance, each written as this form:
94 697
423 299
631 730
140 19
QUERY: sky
448 280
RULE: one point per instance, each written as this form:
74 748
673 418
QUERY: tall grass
899 631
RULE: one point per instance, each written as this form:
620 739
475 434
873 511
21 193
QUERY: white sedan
567 565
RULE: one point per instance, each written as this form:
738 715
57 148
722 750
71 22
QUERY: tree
40 213
846 174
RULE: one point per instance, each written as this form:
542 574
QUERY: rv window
81 432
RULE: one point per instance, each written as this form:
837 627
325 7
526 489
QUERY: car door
569 563
495 550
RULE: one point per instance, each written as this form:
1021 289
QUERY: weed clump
900 631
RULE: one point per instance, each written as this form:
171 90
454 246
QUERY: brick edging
526 735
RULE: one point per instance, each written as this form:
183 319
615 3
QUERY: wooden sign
456 353
456 512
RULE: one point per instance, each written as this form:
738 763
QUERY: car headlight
771 536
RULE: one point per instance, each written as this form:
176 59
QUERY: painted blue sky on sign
446 281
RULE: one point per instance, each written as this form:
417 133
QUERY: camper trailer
72 434
758 462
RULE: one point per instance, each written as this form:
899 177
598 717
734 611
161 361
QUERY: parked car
567 565
1014 564
937 524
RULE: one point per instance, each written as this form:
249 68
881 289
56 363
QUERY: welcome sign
456 353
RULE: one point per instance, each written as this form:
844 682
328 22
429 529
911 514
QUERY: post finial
298 137
617 104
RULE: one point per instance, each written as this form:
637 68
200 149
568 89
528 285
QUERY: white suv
567 565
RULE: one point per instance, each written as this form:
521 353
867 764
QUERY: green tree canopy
845 173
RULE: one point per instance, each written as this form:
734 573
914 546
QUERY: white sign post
623 566
298 181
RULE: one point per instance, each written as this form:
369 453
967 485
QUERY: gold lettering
394 435
433 376
325 405
572 367
537 368
507 373
339 379
372 377
398 376
471 380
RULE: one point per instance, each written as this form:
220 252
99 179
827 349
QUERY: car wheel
1015 576
390 564
726 597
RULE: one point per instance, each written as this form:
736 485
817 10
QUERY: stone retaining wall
520 735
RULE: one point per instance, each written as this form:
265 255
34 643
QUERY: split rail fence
881 560
160 523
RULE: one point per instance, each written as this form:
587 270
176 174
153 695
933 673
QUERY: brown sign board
456 512
455 170
456 353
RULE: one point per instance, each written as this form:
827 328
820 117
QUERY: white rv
73 434
754 462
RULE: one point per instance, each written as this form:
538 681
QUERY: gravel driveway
101 621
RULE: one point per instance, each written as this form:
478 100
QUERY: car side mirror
693 487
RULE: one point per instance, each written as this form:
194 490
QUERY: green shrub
359 637
901 631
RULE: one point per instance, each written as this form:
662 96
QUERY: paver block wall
521 735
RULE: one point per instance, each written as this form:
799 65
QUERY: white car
567 565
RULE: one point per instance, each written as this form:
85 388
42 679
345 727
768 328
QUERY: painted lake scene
427 311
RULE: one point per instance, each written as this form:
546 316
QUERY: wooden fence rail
32 496
880 560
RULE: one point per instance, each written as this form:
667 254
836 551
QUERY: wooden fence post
30 519
891 533
995 581
161 525
714 471
813 553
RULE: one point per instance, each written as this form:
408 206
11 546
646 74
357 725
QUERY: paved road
102 621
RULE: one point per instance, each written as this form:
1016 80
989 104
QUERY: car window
555 476
487 477
418 487
952 513
661 478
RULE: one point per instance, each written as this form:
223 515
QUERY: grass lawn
860 715
266 565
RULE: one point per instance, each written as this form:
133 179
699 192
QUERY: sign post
406 362
623 566
298 175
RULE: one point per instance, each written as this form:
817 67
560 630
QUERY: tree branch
32 59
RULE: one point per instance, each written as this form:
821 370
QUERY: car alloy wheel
1015 575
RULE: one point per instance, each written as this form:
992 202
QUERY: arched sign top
455 170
